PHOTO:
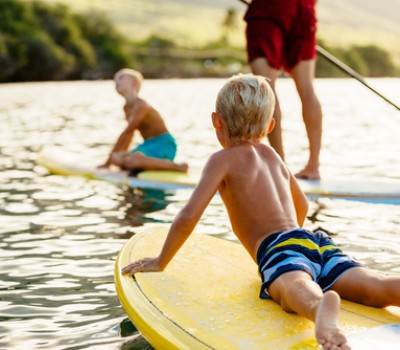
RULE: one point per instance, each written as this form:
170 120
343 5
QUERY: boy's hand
105 165
142 265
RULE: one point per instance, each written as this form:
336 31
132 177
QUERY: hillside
193 22
93 39
343 22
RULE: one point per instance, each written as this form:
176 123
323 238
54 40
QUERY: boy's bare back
259 193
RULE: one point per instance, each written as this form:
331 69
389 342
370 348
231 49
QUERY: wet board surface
64 162
208 298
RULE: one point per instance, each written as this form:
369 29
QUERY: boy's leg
137 160
303 75
261 67
363 286
296 292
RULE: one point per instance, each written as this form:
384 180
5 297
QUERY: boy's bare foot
182 167
327 328
308 174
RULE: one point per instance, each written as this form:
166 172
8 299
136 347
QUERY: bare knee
117 158
285 305
280 297
294 289
133 160
126 160
309 101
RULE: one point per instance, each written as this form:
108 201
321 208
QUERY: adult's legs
137 160
296 292
261 67
303 75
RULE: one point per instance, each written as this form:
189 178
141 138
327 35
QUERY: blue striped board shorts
301 250
162 147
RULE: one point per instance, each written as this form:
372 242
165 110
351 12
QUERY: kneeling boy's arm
125 138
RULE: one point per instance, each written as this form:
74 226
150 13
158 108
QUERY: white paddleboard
63 162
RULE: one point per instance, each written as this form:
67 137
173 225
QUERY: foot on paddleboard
182 167
307 174
327 328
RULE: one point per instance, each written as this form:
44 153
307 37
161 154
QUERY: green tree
158 41
377 60
111 47
60 24
354 60
40 41
229 24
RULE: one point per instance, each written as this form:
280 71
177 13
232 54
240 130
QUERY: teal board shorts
162 147
301 250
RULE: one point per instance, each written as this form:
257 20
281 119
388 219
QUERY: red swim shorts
282 31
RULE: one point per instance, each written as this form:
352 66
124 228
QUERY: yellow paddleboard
71 163
208 298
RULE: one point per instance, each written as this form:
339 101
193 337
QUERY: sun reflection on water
60 235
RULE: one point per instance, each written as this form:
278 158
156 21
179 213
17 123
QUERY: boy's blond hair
132 73
246 103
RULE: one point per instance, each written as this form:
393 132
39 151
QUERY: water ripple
60 235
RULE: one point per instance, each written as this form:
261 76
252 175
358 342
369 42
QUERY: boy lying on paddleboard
303 271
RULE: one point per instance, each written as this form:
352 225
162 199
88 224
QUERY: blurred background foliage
48 42
41 41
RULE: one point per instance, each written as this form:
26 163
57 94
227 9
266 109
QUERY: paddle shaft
346 69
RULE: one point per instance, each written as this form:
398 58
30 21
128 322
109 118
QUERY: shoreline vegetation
42 42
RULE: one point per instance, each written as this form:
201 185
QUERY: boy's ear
136 84
216 121
271 125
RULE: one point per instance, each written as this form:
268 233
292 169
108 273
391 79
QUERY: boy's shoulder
139 105
247 157
138 102
219 159
237 154
244 149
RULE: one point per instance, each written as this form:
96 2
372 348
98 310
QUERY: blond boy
158 149
303 271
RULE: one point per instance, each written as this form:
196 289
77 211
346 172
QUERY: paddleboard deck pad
208 298
63 162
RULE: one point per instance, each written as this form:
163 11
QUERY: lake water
60 235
